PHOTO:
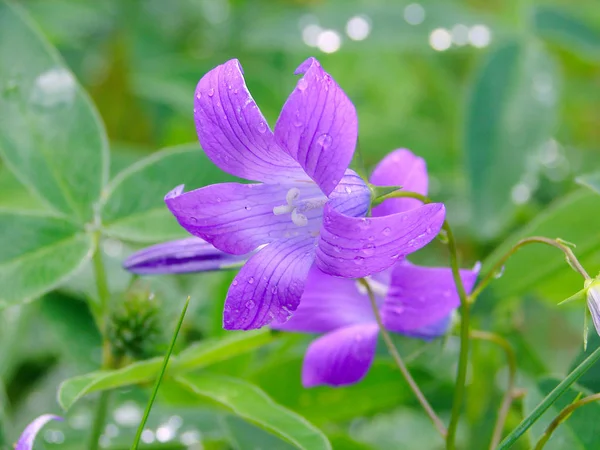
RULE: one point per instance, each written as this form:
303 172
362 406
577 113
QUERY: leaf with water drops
38 253
249 402
50 134
134 209
510 115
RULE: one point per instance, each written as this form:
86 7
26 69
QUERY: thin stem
107 360
563 416
163 369
400 363
549 400
99 419
509 395
571 258
463 357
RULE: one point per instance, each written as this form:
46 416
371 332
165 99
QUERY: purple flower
25 442
414 301
309 207
181 256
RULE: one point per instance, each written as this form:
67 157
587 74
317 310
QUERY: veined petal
318 126
25 442
233 132
180 256
237 218
328 303
270 284
358 247
431 331
421 296
400 168
340 357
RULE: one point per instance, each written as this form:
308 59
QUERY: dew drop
247 208
348 190
261 127
235 91
274 289
193 220
211 92
234 282
499 273
250 304
324 141
337 249
250 280
230 87
218 199
365 223
297 120
369 249
302 84
359 260
198 95
428 230
371 238
412 242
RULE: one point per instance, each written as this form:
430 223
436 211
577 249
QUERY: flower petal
318 126
340 357
328 303
358 247
25 442
431 331
421 296
233 132
400 168
180 256
270 284
237 218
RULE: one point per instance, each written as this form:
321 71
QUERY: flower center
297 208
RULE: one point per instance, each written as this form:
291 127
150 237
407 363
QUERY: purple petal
431 331
270 284
26 440
421 296
400 168
318 126
340 357
233 132
358 247
181 256
328 303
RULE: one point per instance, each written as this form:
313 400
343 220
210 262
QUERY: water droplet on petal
369 249
348 190
324 141
337 249
302 84
218 199
365 223
359 260
274 289
371 238
250 304
193 220
235 91
247 208
198 95
211 92
250 280
297 120
234 282
261 127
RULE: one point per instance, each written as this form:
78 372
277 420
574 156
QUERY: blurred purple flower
25 442
414 301
309 207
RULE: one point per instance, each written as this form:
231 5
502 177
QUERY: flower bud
592 290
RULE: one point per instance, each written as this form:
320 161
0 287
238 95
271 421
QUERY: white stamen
299 219
292 195
283 209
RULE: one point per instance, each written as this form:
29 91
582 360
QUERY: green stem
463 359
490 275
439 425
107 360
509 395
562 416
163 369
549 400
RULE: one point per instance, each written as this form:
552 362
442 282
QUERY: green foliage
510 114
50 133
249 402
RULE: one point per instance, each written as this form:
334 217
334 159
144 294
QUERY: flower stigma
296 209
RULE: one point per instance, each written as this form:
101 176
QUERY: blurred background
502 99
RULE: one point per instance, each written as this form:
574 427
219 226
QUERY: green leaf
567 30
38 253
244 436
572 218
580 430
51 136
249 402
590 181
134 209
194 357
510 114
